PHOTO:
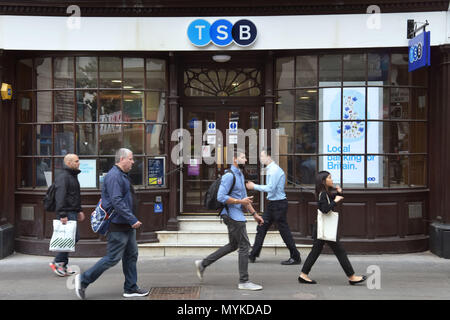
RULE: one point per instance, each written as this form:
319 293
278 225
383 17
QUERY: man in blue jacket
117 195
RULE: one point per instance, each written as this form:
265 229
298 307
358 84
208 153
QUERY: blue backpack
100 219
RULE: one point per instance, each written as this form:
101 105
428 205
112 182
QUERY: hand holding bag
63 238
327 224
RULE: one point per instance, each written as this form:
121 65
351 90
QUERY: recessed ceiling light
116 81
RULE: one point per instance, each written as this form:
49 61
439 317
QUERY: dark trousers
276 212
121 245
63 257
337 249
237 235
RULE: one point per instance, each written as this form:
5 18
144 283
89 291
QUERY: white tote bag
63 238
327 224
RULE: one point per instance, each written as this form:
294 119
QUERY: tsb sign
222 32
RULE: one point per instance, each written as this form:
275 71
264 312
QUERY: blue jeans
121 245
64 256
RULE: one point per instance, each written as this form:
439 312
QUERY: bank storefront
344 103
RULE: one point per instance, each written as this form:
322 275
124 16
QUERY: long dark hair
320 183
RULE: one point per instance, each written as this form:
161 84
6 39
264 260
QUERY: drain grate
174 293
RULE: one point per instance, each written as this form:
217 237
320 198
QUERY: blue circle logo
222 32
198 33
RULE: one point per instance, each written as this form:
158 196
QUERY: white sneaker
200 269
249 286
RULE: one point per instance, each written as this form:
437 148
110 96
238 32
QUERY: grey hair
122 153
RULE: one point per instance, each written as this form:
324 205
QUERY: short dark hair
238 152
268 151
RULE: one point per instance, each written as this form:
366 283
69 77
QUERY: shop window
364 120
117 102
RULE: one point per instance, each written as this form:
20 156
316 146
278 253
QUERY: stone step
200 235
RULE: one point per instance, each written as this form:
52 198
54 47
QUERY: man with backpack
235 220
67 199
117 195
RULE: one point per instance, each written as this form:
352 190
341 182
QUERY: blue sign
156 171
419 51
158 207
222 32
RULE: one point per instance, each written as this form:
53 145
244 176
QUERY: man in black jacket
67 206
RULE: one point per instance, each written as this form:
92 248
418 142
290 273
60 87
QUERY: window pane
63 72
286 136
24 167
305 138
110 72
419 104
332 164
399 137
284 73
110 106
44 140
378 137
418 168
110 138
105 164
306 71
354 101
133 106
399 69
64 139
306 104
59 166
86 139
329 137
156 106
306 170
353 171
330 69
330 104
156 74
155 137
354 69
133 73
43 73
43 172
378 65
377 172
87 106
418 137
25 139
64 110
398 171
377 103
24 74
133 138
25 107
87 68
44 107
400 102
287 164
419 77
136 173
284 106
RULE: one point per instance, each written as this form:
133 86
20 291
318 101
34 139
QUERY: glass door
200 173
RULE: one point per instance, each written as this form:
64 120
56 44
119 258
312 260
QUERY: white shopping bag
63 238
327 225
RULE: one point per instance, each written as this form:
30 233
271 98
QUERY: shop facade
342 102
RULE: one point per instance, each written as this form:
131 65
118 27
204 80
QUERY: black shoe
291 262
364 278
138 292
251 259
301 280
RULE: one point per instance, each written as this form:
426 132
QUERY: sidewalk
420 276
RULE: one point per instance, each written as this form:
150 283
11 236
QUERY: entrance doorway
198 175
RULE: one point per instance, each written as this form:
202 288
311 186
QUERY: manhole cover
174 293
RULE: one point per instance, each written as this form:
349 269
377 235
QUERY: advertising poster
156 169
353 131
88 175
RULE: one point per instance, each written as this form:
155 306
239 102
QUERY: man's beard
241 166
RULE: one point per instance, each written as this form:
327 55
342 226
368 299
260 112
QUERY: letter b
244 33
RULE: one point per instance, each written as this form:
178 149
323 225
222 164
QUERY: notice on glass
88 175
